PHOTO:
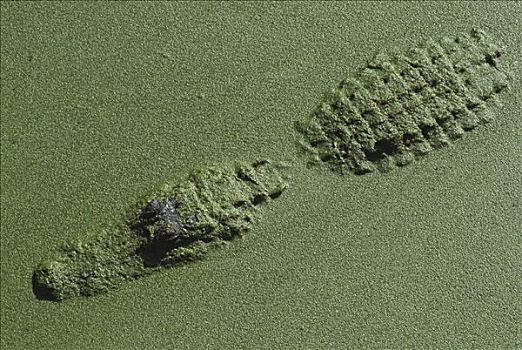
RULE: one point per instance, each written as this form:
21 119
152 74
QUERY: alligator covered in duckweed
397 108
401 106
178 224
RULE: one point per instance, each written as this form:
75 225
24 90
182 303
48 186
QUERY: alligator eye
152 209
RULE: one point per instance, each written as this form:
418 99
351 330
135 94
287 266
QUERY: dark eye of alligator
152 209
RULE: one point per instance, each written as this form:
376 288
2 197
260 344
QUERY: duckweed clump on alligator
178 224
402 106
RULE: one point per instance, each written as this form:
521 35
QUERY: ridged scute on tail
401 106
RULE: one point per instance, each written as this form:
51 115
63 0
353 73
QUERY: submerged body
178 224
402 106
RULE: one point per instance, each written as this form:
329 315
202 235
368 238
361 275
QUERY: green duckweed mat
101 103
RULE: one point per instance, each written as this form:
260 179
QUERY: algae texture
101 101
178 224
403 105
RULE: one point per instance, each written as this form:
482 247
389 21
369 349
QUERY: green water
101 102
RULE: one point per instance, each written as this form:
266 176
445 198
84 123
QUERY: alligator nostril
41 290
